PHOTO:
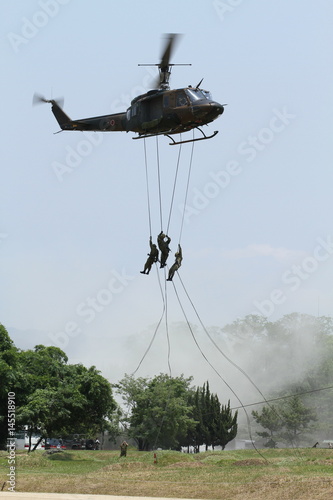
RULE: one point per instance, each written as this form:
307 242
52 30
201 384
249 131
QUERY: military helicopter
161 111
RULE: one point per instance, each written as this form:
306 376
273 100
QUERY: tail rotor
39 99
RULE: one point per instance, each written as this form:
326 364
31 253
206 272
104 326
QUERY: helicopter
160 111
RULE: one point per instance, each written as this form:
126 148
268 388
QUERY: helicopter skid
144 136
173 143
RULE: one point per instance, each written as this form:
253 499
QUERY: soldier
163 241
123 449
152 257
177 264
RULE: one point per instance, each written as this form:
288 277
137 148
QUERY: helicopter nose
208 110
217 108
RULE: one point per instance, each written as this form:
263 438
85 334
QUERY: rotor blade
38 99
168 50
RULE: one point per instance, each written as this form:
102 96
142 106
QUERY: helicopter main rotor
165 66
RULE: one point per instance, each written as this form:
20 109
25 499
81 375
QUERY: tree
252 328
158 414
51 396
296 419
212 415
80 401
195 434
227 428
50 412
269 419
206 426
8 363
287 421
6 342
99 406
214 423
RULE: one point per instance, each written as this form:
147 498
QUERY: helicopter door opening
152 112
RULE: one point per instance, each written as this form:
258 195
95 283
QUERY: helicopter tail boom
106 123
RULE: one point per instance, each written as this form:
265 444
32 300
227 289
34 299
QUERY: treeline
291 360
167 412
54 399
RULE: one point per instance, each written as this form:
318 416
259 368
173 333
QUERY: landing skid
144 136
173 143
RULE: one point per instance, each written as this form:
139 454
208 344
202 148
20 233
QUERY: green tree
52 397
269 419
80 401
287 421
8 377
195 434
51 412
211 417
214 423
296 419
227 429
158 414
206 427
99 406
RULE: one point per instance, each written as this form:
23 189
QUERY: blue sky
258 227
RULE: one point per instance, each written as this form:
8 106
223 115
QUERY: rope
157 327
159 181
165 301
218 374
217 347
166 408
186 193
174 186
286 397
147 186
236 366
164 297
166 321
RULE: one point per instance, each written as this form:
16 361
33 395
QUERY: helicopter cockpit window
207 94
181 99
196 94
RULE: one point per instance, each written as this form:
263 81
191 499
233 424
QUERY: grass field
304 474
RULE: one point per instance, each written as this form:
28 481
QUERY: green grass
242 474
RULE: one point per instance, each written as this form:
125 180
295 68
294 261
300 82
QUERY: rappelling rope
216 371
166 408
157 326
164 293
174 185
215 344
186 193
147 187
166 321
159 181
227 358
